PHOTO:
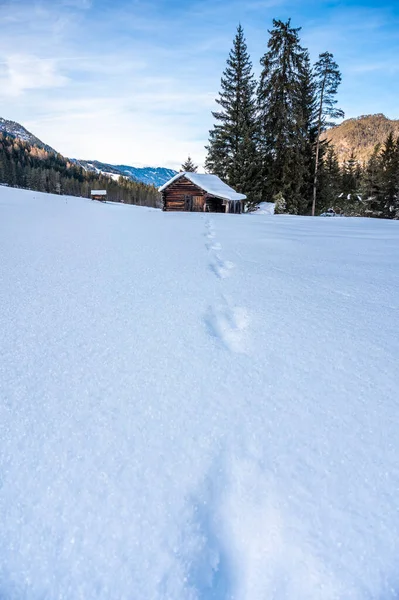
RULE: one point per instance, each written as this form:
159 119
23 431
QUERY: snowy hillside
151 175
196 406
18 131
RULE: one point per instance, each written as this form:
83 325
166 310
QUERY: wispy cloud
22 73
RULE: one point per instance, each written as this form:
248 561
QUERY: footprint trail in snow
224 321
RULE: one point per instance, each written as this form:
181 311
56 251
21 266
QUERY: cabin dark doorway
215 205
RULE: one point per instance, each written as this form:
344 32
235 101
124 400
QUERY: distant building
99 195
200 192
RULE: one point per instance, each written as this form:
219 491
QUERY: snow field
196 406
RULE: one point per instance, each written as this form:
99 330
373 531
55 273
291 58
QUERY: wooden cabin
200 193
100 195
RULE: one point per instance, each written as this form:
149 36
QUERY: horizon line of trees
267 138
26 166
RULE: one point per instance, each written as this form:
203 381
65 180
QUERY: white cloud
24 72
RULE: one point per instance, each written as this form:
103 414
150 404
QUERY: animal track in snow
228 324
221 267
213 245
223 321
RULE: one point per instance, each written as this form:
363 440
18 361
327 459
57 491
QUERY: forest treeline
26 166
268 140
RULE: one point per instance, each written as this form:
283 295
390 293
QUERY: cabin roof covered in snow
211 184
98 192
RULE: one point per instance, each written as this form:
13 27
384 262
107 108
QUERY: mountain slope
196 406
28 166
17 130
151 175
360 135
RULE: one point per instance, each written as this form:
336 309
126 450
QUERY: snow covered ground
197 407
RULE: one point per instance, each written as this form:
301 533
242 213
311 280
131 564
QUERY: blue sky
134 81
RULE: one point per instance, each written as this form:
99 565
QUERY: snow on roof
98 192
209 183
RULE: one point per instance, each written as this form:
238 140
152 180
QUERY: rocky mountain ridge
360 136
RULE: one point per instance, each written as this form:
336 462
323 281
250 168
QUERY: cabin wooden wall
174 199
174 196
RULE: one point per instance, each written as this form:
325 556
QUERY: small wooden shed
99 195
200 192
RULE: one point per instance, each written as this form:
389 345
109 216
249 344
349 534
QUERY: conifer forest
267 140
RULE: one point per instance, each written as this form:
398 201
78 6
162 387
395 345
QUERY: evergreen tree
350 175
328 79
308 134
370 182
389 177
2 169
282 117
188 166
370 185
329 178
232 142
280 205
349 200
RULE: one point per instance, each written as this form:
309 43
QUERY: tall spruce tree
330 179
282 115
188 166
232 152
349 199
327 78
350 175
389 177
370 184
308 134
370 181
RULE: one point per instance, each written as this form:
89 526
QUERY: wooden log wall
174 196
183 195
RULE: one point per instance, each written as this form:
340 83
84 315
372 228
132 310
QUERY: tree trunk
316 169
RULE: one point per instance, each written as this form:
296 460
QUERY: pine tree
307 134
351 175
188 166
389 178
281 115
328 79
232 153
329 179
280 205
349 179
2 169
370 184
